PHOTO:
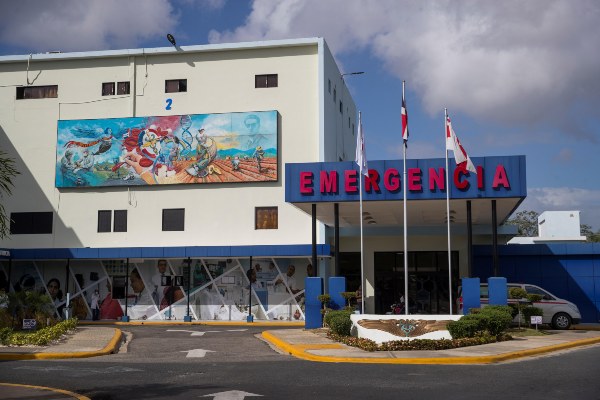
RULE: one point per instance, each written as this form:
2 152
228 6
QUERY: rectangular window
329 85
122 87
104 220
108 89
341 107
175 85
37 92
173 219
265 218
22 223
120 223
265 81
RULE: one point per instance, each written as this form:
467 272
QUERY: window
122 87
175 85
37 92
265 81
265 218
329 85
30 223
120 223
173 219
108 89
104 220
334 96
341 107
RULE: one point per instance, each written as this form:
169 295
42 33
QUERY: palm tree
7 173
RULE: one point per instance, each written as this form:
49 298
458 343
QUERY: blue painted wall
569 271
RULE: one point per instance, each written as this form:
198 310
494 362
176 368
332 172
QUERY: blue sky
517 77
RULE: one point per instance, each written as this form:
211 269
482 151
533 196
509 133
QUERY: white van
559 313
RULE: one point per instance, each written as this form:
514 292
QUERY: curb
300 351
61 391
110 348
206 323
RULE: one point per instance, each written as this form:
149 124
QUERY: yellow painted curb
206 323
300 351
61 391
110 348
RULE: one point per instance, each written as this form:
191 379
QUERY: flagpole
362 261
448 211
405 227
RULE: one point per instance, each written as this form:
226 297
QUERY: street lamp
351 73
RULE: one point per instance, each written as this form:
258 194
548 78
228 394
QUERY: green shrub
517 293
4 335
463 328
491 320
339 322
41 337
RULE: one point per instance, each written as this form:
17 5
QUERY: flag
361 155
404 121
460 154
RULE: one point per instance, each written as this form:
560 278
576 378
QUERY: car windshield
536 290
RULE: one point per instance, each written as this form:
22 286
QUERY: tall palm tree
7 173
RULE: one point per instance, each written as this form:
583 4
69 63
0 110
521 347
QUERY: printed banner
197 148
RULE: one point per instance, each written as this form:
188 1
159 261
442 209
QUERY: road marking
61 391
196 352
232 395
192 333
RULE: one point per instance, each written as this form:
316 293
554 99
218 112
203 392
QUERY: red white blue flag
404 121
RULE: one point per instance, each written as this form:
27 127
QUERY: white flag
361 155
460 154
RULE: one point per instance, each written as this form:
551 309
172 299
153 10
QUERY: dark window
265 81
104 220
329 85
334 95
265 218
122 87
108 89
37 92
173 219
30 223
341 107
175 85
120 221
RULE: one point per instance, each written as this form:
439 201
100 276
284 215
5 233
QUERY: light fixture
171 39
368 217
371 222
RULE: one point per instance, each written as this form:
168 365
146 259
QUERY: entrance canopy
498 178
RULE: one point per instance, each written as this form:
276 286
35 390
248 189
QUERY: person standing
94 305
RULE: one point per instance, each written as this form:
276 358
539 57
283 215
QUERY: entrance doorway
427 281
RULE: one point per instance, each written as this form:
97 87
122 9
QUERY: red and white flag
361 154
460 154
404 121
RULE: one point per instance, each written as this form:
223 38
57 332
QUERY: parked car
558 313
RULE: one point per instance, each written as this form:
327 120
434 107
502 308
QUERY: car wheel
561 321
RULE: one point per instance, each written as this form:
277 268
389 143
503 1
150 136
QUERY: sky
517 77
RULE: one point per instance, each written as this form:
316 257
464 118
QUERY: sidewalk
312 346
88 341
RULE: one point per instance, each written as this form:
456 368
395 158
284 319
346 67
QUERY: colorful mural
177 149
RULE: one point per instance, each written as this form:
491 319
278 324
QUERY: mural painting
180 149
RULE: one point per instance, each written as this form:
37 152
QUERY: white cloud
565 199
508 61
74 25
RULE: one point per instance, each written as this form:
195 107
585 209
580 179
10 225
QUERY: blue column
313 288
498 291
337 285
470 294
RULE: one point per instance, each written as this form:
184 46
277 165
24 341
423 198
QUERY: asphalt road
224 363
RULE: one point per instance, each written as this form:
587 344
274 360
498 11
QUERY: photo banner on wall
176 149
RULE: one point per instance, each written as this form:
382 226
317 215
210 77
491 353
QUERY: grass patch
522 332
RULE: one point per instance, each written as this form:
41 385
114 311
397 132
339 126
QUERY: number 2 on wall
169 103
